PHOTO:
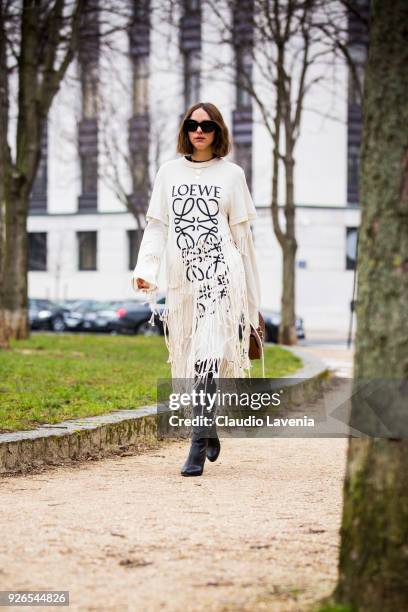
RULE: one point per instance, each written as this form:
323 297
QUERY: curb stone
115 432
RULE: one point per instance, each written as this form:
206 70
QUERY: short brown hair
221 144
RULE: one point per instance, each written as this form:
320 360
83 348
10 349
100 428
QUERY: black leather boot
196 458
214 445
213 449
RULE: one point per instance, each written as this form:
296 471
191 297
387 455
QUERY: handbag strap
260 337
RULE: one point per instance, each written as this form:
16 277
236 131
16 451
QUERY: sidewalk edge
117 432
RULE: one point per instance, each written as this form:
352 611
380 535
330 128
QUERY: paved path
258 531
337 356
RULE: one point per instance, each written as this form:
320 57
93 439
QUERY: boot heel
194 465
213 449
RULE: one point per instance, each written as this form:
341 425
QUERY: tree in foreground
38 41
373 564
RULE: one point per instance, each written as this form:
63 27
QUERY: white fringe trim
213 337
242 242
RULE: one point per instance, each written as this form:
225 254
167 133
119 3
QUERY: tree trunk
4 336
15 266
4 161
373 564
4 343
287 329
287 240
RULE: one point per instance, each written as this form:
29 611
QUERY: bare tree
280 49
38 41
295 45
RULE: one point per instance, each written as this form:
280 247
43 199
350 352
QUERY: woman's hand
142 284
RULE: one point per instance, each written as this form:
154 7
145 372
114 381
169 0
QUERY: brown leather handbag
255 342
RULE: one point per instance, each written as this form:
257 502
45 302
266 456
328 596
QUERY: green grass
50 377
335 608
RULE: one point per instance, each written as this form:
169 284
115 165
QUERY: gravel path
258 531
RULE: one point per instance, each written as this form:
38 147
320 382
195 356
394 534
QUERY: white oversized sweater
200 212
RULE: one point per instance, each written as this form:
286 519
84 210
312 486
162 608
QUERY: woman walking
200 212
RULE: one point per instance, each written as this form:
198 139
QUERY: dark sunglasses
207 126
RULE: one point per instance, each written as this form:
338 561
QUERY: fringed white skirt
205 320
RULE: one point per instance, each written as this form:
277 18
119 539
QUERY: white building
110 128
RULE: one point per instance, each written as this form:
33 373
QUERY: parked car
101 317
272 322
73 317
133 318
44 314
66 303
89 315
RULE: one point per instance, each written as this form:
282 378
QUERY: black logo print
196 223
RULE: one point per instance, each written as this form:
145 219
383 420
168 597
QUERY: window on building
353 90
351 247
89 174
134 242
141 9
192 67
86 250
38 195
37 251
191 5
140 176
89 80
353 169
243 157
244 76
141 84
39 189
